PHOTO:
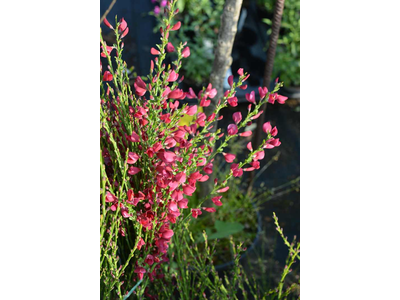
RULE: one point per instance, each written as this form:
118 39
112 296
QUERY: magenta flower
230 80
216 200
251 97
149 260
125 33
232 129
133 170
176 26
107 76
223 190
170 47
173 76
132 158
259 155
140 271
267 127
122 25
156 10
191 110
262 91
229 157
246 133
140 86
186 52
210 209
196 212
177 94
188 189
233 101
237 117
107 23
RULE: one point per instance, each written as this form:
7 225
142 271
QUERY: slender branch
107 11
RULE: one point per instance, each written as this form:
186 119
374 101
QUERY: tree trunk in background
222 61
223 50
269 65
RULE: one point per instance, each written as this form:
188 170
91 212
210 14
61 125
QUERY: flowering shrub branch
149 163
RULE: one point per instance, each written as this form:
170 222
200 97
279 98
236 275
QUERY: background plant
191 272
287 57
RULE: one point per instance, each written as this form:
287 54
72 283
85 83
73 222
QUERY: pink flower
186 52
210 209
177 94
133 170
154 51
216 200
107 76
233 101
140 271
122 26
176 26
281 99
237 117
256 116
191 94
240 72
237 172
204 178
109 49
259 155
107 23
249 146
173 76
262 91
271 143
125 33
229 157
149 260
170 47
251 97
183 203
180 177
271 98
196 212
230 80
246 133
167 235
232 129
204 102
208 169
267 127
132 158
188 189
140 243
110 197
166 156
191 110
223 190
274 131
140 86
156 10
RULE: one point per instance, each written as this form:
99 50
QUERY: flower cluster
150 163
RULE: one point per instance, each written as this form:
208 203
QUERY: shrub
149 163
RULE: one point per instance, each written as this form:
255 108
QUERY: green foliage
287 58
191 272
